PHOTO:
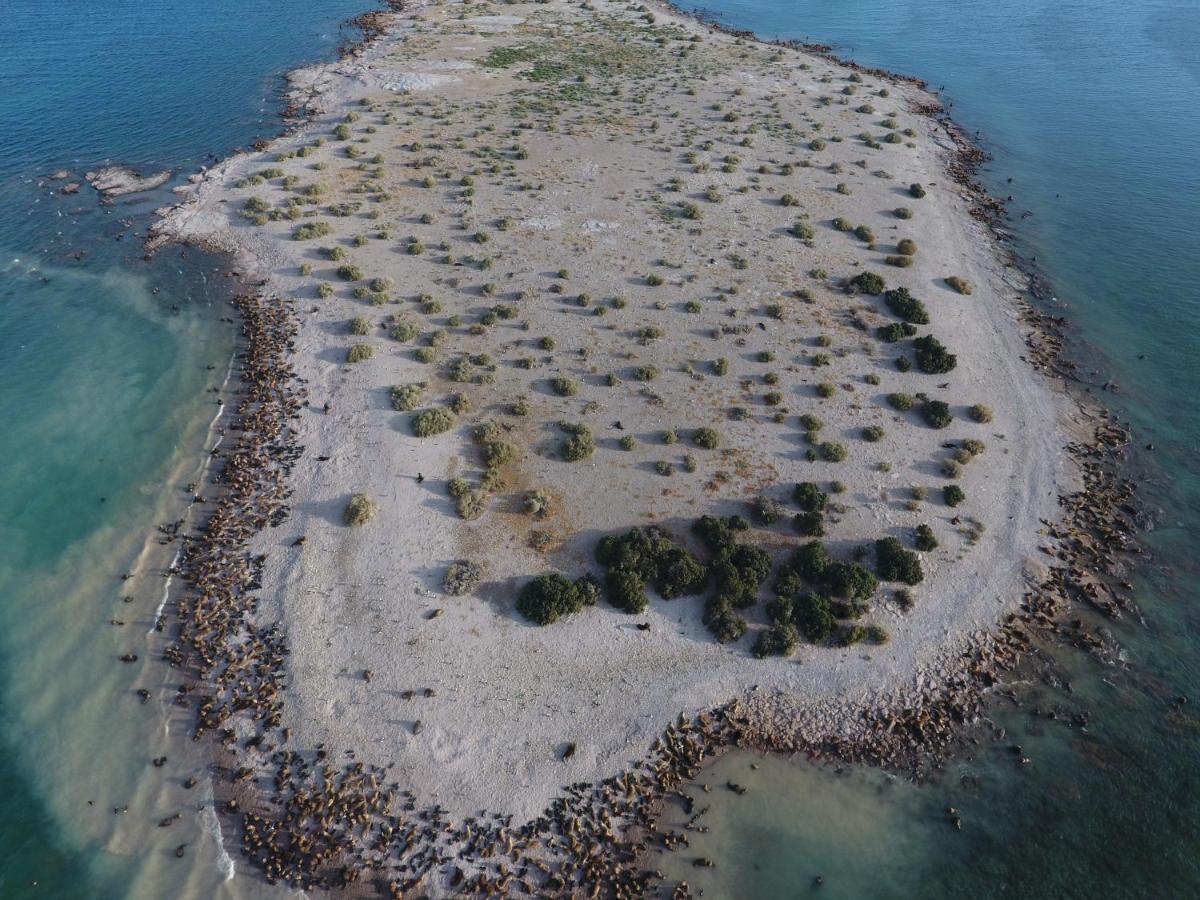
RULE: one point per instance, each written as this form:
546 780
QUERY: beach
577 212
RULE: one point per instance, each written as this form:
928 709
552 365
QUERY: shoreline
744 725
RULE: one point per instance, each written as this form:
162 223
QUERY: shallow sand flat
592 195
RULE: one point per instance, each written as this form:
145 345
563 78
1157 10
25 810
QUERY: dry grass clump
360 510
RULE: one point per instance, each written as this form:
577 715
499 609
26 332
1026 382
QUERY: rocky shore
321 816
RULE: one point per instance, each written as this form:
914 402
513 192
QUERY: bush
932 357
812 616
349 273
936 413
310 230
718 533
866 283
720 366
905 306
564 386
802 230
981 414
766 510
720 619
900 262
916 190
359 353
831 451
548 598
896 331
462 578
430 422
907 247
706 438
809 562
901 402
679 574
626 591
925 540
863 233
739 570
843 224
848 579
406 396
809 497
953 495
778 640
809 524
360 325
872 433
645 373
902 212
360 510
960 284
894 563
579 445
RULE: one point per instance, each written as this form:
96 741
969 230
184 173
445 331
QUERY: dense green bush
626 591
809 524
932 357
721 619
831 451
349 273
706 438
866 283
896 331
905 306
579 445
849 579
766 509
916 190
563 386
872 433
925 539
778 640
359 353
550 597
679 574
902 402
360 325
809 497
894 563
812 616
406 396
809 562
907 247
310 230
960 284
936 413
719 533
953 495
429 422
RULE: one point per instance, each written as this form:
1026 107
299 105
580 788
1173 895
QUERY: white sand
510 694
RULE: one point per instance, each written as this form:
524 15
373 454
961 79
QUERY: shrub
310 230
810 562
812 616
349 273
849 579
645 373
564 386
359 353
360 325
739 570
825 389
721 620
627 442
550 597
462 578
537 503
802 230
863 233
953 495
981 414
718 533
664 468
866 283
925 539
809 497
900 262
430 422
579 445
654 279
720 366
778 640
959 284
916 190
809 524
907 247
626 591
406 396
902 402
766 510
894 563
679 574
706 438
896 331
905 306
936 413
360 510
902 212
843 224
932 357
831 451
872 433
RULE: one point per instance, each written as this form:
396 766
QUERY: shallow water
106 370
1091 108
1089 105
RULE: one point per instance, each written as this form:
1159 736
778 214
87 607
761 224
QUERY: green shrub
645 373
936 413
894 332
902 402
809 497
872 434
953 495
894 563
766 509
564 386
900 262
739 571
925 539
654 279
360 510
843 224
932 357
627 442
626 591
461 578
916 190
849 579
902 212
550 597
905 306
406 396
802 230
719 533
866 283
310 230
863 233
907 247
778 640
831 451
349 273
981 413
809 524
721 620
812 616
430 422
579 445
359 353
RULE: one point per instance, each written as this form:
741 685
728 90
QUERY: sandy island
610 215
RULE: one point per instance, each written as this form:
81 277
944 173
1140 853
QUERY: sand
593 196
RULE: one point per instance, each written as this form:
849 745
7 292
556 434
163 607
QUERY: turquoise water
1092 108
107 366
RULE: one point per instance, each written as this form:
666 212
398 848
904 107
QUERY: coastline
878 730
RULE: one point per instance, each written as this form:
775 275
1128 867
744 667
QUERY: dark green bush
548 598
894 563
953 495
579 445
720 619
866 283
739 571
916 190
925 539
905 306
719 533
680 574
932 357
809 524
848 579
766 509
896 331
706 438
809 497
429 422
626 590
936 413
902 402
778 640
812 616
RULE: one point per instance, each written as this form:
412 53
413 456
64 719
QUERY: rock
59 175
72 188
117 181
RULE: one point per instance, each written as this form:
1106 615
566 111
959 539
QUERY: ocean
108 366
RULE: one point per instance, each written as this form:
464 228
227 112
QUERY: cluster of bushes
905 306
550 597
932 357
810 522
894 563
648 556
896 331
